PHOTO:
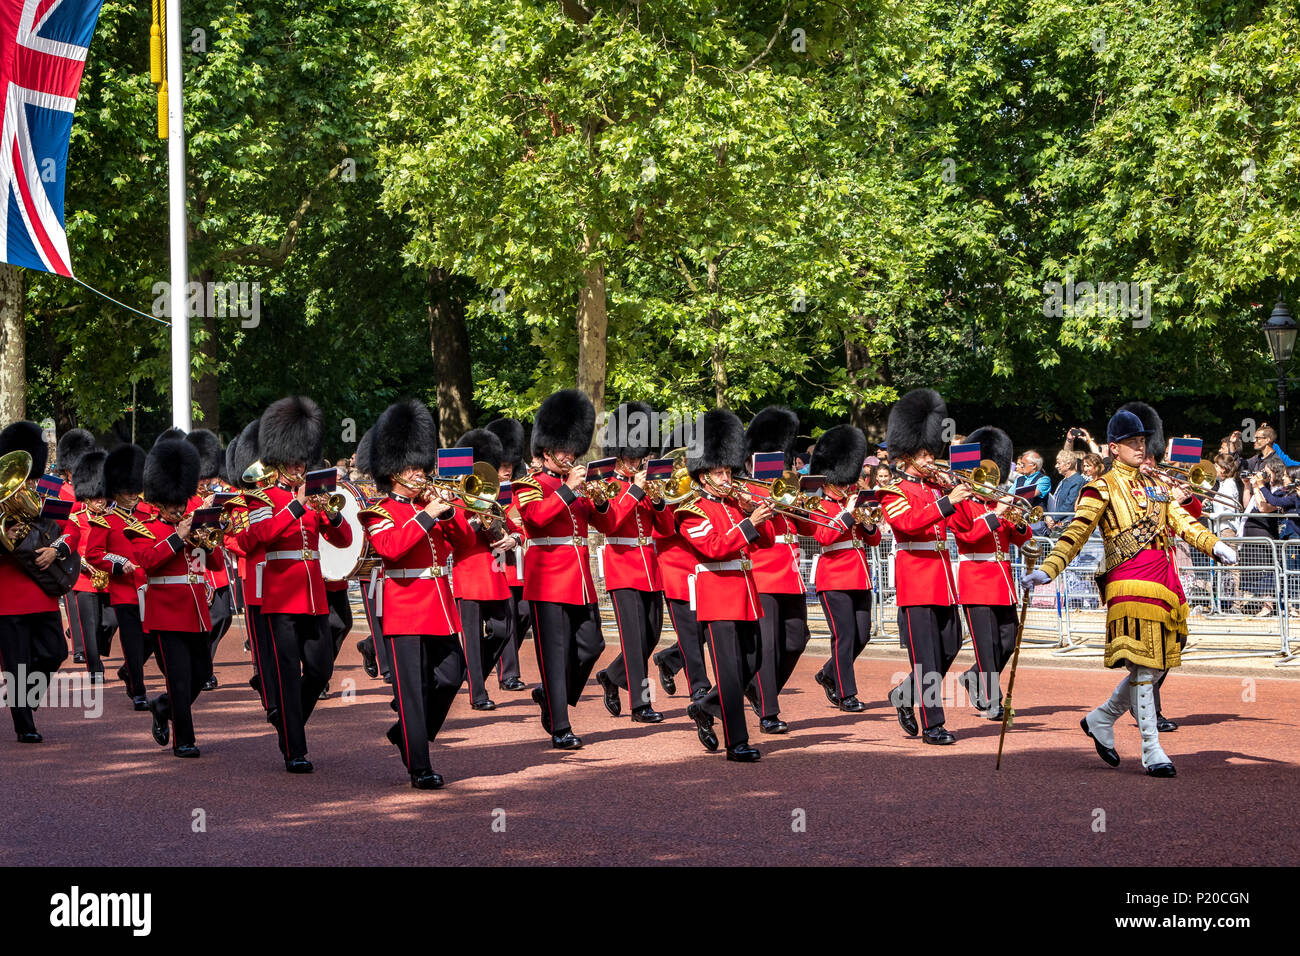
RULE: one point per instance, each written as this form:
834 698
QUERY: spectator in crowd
1072 480
1032 482
882 452
882 476
1232 445
1093 467
802 461
1261 525
1265 436
1080 441
1226 467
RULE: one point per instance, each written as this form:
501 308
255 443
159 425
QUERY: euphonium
677 487
259 476
19 505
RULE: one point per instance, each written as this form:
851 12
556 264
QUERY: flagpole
176 204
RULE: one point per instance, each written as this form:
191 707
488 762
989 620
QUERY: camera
1076 432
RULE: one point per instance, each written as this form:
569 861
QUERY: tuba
19 505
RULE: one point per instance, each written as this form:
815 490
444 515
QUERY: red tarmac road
838 789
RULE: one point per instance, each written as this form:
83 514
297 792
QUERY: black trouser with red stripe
520 615
427 673
86 623
568 641
734 649
340 617
485 626
136 646
848 615
378 645
640 618
931 633
221 612
783 635
993 634
261 644
688 652
30 645
303 663
183 659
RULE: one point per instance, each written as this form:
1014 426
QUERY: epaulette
690 509
528 490
235 502
260 496
134 527
99 521
376 509
528 483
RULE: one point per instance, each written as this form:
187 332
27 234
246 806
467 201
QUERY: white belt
855 543
434 572
787 539
641 542
178 579
303 555
741 565
921 546
984 556
576 540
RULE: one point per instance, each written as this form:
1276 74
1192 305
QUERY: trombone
985 481
475 492
1199 477
786 497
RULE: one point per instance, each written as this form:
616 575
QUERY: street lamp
1281 332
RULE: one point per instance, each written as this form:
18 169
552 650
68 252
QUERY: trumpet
476 492
208 537
868 515
328 505
601 490
19 504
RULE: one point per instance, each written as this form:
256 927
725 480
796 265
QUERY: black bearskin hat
486 445
1150 422
88 476
721 438
26 436
915 422
362 455
242 452
511 434
171 434
124 471
72 446
171 472
839 454
775 428
290 432
210 454
628 431
405 436
564 422
995 446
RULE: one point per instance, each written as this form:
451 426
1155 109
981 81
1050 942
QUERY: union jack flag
43 46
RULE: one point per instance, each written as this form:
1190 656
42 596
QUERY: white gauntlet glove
1035 579
1225 553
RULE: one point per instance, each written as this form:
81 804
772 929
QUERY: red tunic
984 553
19 594
557 564
842 564
776 555
248 554
414 548
918 512
176 598
109 550
476 571
721 538
676 561
628 555
290 532
82 517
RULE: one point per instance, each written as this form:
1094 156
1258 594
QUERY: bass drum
339 564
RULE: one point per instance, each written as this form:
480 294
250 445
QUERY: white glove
1036 579
1225 553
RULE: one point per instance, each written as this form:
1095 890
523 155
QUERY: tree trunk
593 332
64 417
717 355
449 346
862 372
13 344
207 389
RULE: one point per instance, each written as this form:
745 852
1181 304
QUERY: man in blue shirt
1032 482
1067 492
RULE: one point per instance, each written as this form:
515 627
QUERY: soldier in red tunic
557 565
631 564
722 584
783 628
111 552
843 572
413 530
289 527
32 645
176 598
510 564
373 647
918 510
984 578
481 591
221 607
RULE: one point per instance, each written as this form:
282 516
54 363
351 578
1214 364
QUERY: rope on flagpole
116 302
